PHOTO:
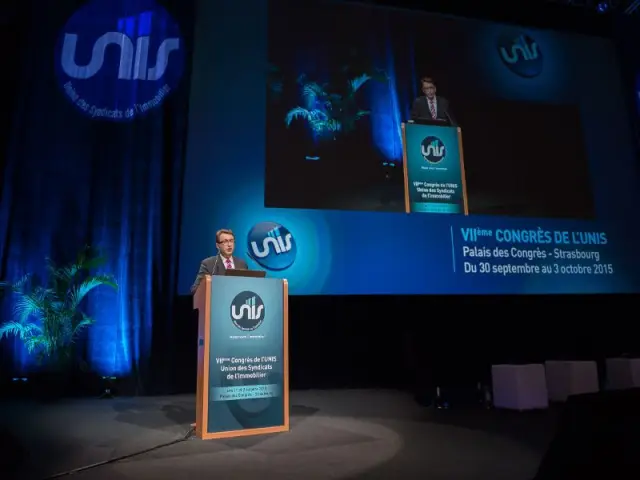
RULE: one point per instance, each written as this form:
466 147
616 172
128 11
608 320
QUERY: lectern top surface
241 272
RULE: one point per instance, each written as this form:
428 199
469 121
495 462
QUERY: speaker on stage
598 436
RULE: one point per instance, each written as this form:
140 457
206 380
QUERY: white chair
565 378
623 373
519 387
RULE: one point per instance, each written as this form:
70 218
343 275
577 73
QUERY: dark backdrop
67 180
627 40
344 341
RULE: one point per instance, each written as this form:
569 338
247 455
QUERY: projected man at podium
430 107
224 260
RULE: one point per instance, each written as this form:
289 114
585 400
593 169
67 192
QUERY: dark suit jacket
420 109
209 266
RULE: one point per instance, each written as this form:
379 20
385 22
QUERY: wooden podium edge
202 301
405 168
202 391
285 352
463 174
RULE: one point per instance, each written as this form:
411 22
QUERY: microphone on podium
215 264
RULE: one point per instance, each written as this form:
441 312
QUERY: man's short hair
427 80
223 231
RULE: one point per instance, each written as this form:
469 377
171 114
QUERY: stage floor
356 434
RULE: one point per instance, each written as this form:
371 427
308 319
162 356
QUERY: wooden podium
243 356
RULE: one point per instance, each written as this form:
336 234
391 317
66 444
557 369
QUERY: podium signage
243 380
433 169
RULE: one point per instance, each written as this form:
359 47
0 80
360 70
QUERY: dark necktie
432 107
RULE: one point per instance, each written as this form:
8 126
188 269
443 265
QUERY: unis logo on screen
119 60
433 149
272 246
247 311
521 54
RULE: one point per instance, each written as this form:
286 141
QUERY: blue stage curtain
70 180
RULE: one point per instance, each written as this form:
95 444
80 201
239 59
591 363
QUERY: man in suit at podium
224 260
430 106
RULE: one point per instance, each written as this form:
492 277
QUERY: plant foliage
46 314
326 112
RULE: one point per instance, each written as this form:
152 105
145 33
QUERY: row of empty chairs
534 386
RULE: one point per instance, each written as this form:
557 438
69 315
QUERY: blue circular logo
118 60
272 246
247 310
521 54
433 149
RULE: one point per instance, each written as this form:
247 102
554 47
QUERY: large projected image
338 94
517 178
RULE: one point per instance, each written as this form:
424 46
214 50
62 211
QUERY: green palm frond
300 113
20 330
330 125
313 90
47 317
296 113
38 343
31 305
85 322
16 286
90 260
359 81
78 292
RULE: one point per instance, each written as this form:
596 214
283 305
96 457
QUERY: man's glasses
226 242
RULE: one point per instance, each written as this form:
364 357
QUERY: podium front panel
433 169
246 355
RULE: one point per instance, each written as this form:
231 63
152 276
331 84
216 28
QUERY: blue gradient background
345 252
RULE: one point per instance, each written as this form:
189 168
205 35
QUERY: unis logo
521 55
433 149
247 311
272 246
117 60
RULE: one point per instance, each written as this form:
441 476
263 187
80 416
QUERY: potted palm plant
47 315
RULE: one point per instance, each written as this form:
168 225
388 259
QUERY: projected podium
243 356
434 178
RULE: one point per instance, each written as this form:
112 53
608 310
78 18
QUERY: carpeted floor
334 435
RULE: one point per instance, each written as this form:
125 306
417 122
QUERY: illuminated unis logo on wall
272 246
247 311
433 149
117 60
521 54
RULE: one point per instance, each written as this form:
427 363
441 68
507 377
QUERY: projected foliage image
322 116
328 114
320 113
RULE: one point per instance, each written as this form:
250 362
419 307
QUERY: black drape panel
627 37
69 179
